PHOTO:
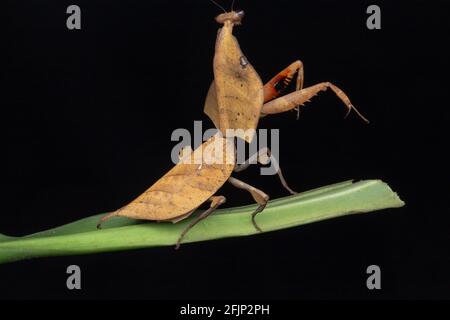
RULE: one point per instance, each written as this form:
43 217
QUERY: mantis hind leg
106 217
260 197
216 201
179 218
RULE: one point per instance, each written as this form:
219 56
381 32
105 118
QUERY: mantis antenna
232 5
219 5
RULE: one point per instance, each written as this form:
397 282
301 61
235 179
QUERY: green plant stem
82 237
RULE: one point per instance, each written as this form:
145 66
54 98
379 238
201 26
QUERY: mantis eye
240 14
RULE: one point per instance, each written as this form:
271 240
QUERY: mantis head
235 17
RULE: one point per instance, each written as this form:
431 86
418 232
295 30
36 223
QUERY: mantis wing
236 96
186 186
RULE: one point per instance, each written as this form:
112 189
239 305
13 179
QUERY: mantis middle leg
260 197
264 156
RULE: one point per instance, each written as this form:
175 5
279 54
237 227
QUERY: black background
87 117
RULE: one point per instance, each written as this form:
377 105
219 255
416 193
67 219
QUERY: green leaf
82 237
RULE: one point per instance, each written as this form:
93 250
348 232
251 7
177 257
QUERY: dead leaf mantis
236 99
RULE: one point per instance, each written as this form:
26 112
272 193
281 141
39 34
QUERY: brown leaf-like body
186 186
236 95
